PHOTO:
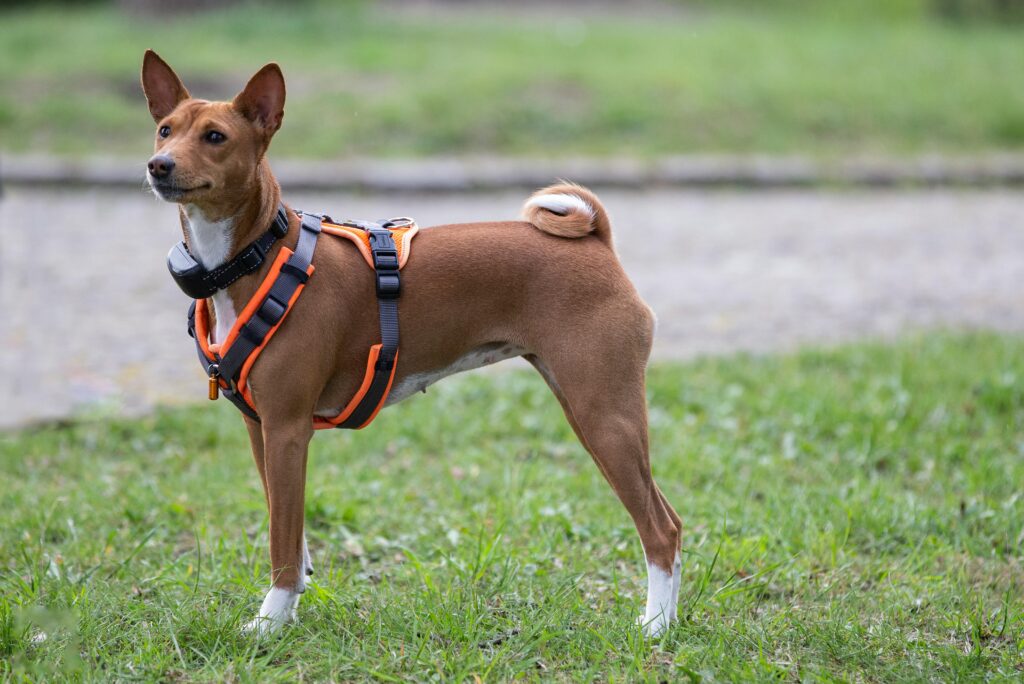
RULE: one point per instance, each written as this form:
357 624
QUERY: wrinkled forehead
204 114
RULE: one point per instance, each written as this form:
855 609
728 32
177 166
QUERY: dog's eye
215 137
165 131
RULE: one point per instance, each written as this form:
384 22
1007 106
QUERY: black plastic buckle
253 256
385 259
252 336
280 225
389 284
294 271
271 310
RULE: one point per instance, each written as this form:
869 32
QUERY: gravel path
90 313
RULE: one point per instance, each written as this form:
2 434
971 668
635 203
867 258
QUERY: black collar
199 283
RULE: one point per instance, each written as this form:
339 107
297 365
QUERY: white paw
661 600
261 627
653 627
278 609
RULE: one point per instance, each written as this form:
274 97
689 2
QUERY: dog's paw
261 628
653 627
278 609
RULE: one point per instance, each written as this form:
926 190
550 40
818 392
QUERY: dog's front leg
286 446
256 439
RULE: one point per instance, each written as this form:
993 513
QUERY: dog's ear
164 90
262 100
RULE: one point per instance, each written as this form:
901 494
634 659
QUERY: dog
549 289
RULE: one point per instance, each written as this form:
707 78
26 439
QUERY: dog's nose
161 166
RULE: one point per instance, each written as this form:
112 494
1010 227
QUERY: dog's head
206 152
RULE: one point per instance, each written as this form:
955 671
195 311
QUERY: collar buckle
279 227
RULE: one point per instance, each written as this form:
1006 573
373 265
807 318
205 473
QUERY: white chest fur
210 244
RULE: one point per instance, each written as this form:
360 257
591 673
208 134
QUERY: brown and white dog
550 289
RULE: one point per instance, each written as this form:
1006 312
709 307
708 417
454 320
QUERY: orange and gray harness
384 245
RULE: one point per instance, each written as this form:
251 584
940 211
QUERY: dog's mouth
172 192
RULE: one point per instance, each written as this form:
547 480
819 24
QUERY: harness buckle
253 256
271 310
295 271
280 225
389 285
386 259
251 335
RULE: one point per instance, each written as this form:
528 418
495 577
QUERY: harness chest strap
266 311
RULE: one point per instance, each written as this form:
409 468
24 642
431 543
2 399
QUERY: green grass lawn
365 82
854 514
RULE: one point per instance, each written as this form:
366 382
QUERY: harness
384 245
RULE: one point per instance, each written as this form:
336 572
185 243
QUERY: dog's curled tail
568 210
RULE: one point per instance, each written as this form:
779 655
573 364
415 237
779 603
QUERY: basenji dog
549 288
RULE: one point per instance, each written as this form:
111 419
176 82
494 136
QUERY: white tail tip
561 204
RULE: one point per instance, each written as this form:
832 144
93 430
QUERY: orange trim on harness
203 332
321 423
402 236
403 242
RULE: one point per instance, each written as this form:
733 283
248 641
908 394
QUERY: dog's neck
216 231
209 241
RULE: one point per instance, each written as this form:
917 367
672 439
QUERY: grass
363 81
853 514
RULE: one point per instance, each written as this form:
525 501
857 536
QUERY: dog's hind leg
677 563
608 412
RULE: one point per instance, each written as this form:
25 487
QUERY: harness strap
389 287
274 305
271 310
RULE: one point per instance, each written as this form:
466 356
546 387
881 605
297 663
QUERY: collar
198 282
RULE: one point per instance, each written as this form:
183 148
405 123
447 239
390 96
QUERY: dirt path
93 322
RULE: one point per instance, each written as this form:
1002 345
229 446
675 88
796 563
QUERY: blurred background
780 173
